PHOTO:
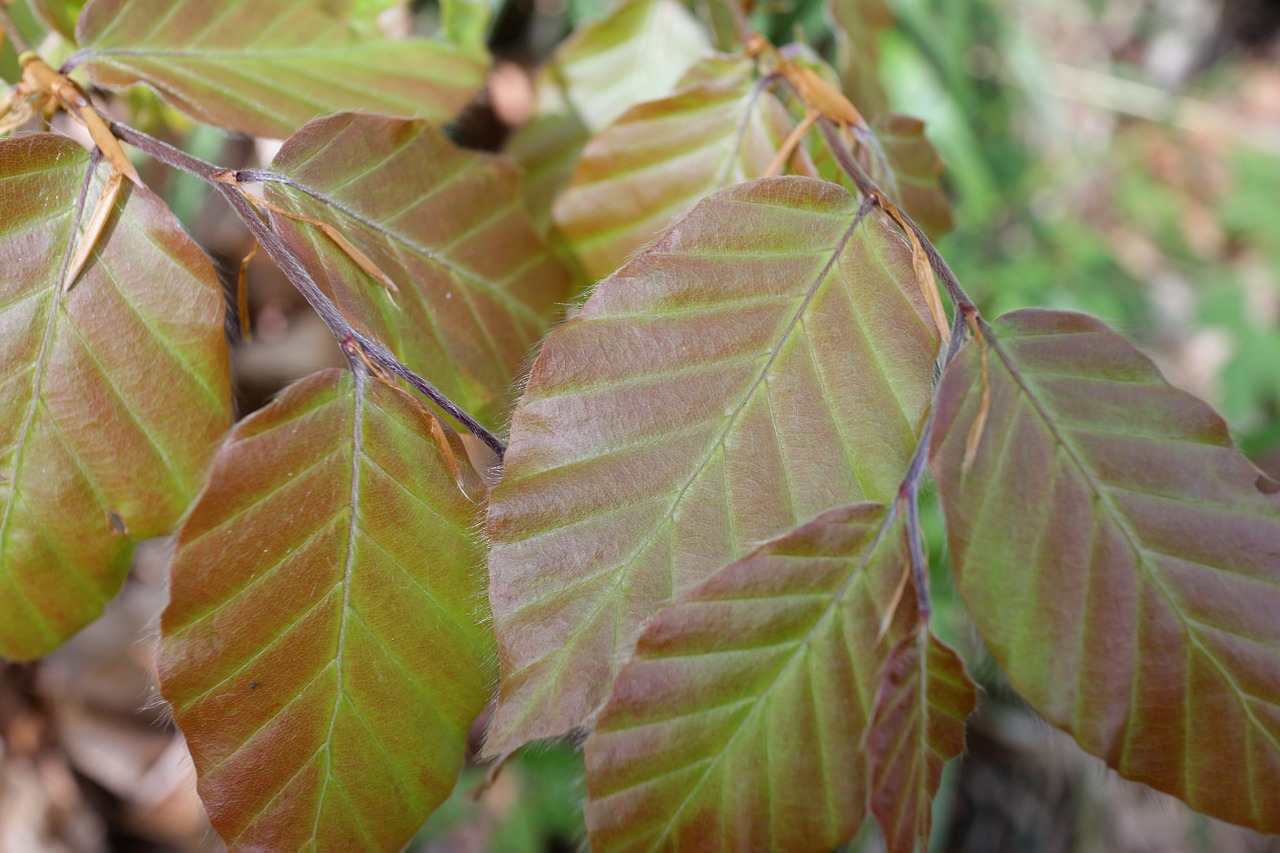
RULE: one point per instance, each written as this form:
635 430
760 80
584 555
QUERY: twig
862 181
346 334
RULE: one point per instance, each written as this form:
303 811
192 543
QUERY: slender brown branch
862 181
346 334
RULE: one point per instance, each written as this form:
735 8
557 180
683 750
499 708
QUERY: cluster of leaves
703 542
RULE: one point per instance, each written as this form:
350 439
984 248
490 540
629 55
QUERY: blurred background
1120 158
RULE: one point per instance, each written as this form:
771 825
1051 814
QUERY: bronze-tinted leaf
638 53
653 164
113 394
770 357
267 67
738 723
325 649
917 725
1119 559
476 286
857 26
917 172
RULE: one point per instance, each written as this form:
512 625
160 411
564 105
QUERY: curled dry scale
703 549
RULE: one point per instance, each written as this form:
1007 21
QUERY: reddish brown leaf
112 395
768 358
659 158
738 723
917 725
325 649
1119 559
475 287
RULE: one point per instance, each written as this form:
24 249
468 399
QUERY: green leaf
112 395
738 723
477 287
655 162
324 648
917 725
1120 558
767 359
267 67
636 54
59 15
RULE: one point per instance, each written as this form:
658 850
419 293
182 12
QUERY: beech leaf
738 723
916 726
475 287
637 53
768 358
1119 559
266 67
653 164
114 393
325 649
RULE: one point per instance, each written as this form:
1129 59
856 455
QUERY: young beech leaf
739 722
266 67
476 288
768 358
113 395
857 25
637 53
324 648
917 724
910 172
654 163
1119 560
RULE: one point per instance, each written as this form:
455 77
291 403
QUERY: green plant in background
700 485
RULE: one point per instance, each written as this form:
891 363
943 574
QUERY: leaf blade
637 53
659 158
351 646
774 289
81 371
1164 627
476 287
917 725
210 61
738 722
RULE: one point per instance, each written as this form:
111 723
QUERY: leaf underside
111 401
656 161
738 722
266 67
477 288
767 359
324 650
1121 559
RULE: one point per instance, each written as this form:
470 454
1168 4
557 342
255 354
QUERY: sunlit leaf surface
654 163
1121 559
113 395
324 649
769 358
267 67
638 53
738 723
477 288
